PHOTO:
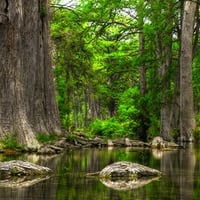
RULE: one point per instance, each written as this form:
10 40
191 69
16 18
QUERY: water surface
180 179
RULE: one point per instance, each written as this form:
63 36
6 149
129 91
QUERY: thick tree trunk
27 99
143 89
187 120
165 111
144 117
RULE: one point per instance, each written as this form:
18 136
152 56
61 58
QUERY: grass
10 142
46 138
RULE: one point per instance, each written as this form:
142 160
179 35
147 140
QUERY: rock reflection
124 185
42 188
21 182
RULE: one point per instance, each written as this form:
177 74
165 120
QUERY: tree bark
27 99
187 120
165 110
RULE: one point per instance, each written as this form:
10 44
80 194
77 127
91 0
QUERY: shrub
108 128
127 113
10 142
154 129
45 138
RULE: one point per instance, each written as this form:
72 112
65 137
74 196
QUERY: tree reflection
178 170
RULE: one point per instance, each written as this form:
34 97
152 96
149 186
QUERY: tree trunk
165 110
27 99
187 120
142 76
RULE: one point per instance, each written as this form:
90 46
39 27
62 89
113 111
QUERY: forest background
119 67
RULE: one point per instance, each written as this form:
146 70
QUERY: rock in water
125 175
17 171
127 170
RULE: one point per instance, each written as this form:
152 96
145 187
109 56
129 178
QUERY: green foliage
10 142
108 128
46 138
97 62
196 131
125 122
154 128
128 110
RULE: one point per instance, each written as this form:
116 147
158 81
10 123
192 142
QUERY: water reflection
127 184
180 170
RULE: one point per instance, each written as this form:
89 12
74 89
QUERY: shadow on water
180 180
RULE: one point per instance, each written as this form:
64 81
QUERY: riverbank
79 140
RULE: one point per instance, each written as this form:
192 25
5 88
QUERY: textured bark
27 99
144 118
187 120
165 111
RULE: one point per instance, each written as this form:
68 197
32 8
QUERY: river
180 175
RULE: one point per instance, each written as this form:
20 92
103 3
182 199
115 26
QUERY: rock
98 142
17 173
159 143
50 149
110 143
18 168
125 175
128 170
127 142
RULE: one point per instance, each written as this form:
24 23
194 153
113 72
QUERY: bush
10 142
45 138
128 111
108 128
154 129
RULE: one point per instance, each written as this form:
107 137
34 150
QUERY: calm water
180 180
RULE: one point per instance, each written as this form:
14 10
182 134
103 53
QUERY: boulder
125 175
20 169
127 170
159 143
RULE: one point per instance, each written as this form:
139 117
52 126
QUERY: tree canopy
117 67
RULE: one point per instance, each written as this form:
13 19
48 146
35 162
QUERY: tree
136 44
187 120
27 99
